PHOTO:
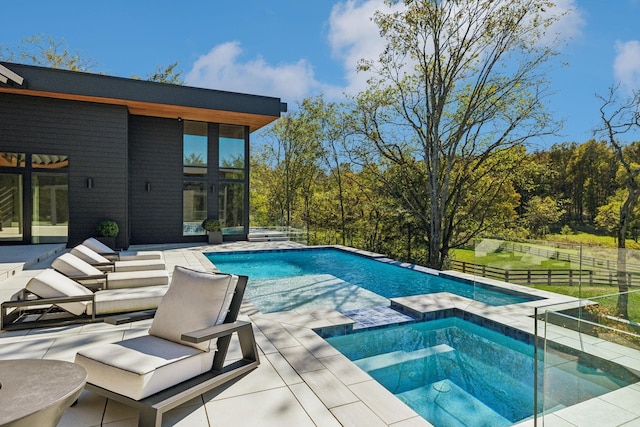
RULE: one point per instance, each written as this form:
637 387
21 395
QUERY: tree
168 74
457 83
44 50
620 116
540 213
294 153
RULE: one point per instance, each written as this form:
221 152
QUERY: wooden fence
559 277
584 260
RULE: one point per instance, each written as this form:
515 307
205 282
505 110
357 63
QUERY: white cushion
112 301
72 266
51 284
97 246
137 255
133 279
142 366
195 300
88 255
140 265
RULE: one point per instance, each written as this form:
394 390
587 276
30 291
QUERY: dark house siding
90 134
155 157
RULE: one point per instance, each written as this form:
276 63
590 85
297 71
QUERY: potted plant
214 230
106 231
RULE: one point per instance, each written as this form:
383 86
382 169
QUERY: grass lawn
520 261
595 291
509 260
586 239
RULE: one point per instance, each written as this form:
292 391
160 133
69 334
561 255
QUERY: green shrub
211 224
107 228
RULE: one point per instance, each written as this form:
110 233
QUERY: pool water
328 277
456 373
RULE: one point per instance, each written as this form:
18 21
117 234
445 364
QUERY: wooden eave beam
254 121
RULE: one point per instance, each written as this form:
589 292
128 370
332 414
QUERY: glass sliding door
11 212
232 168
50 203
194 190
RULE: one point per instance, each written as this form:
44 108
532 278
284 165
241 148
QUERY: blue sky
292 48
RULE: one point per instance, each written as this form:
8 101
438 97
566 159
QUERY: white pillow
195 300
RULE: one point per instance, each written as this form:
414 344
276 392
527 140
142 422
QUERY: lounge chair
52 299
76 269
91 257
183 354
104 250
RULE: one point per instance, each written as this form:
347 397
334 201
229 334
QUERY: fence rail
559 277
584 260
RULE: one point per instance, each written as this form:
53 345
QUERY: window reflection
195 142
194 207
231 203
49 161
12 159
232 152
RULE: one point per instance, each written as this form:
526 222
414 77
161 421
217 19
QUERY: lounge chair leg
150 417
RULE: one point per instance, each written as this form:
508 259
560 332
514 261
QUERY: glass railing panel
585 350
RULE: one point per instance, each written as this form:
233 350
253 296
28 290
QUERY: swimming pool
456 373
282 280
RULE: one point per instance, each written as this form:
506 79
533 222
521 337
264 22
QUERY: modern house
77 148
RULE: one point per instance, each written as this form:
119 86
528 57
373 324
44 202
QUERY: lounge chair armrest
216 331
38 301
107 267
90 277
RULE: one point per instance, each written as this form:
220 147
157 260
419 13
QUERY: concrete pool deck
302 380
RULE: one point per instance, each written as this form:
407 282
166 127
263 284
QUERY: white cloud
222 69
352 35
626 65
570 23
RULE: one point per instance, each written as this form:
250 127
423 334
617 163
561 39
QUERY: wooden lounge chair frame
153 407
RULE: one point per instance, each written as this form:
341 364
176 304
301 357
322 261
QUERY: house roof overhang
145 98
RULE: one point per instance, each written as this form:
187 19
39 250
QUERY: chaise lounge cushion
73 267
142 366
101 248
93 258
51 284
127 300
195 300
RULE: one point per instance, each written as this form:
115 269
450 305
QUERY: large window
50 198
231 151
45 201
231 205
232 172
194 192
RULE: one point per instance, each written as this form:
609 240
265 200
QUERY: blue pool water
456 373
327 277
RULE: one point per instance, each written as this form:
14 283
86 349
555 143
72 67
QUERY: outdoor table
35 392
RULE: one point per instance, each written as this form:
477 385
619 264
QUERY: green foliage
44 50
540 214
165 74
107 228
211 224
